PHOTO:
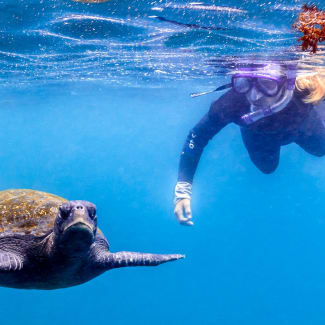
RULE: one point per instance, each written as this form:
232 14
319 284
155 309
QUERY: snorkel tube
211 91
258 114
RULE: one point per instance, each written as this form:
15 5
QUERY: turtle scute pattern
28 212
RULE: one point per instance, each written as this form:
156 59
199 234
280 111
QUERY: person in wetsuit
272 107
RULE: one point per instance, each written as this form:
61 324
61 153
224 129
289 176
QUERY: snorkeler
272 106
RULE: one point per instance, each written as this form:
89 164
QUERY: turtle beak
79 224
79 219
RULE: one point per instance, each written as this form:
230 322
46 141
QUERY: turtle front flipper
10 261
109 260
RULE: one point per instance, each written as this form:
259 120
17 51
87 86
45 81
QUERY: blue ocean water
95 105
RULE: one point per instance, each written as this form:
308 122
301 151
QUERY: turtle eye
65 211
92 212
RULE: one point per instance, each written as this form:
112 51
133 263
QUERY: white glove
182 201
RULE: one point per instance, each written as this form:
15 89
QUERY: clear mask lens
268 86
242 85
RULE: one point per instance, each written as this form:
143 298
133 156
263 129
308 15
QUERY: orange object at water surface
311 22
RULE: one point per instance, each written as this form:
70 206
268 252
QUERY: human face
262 87
258 99
268 85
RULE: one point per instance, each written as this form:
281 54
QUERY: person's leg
263 150
312 135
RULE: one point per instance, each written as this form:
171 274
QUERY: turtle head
75 227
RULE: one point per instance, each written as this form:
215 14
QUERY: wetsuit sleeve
212 122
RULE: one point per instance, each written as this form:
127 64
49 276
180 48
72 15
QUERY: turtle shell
28 212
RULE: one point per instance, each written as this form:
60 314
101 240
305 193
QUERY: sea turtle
47 242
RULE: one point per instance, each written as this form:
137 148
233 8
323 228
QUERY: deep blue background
255 254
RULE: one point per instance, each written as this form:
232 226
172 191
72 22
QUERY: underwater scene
115 105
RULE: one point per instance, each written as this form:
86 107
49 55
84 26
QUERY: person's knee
266 168
315 147
316 151
319 153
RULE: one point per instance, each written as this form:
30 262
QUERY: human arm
219 115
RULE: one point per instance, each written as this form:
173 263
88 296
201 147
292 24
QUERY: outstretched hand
183 212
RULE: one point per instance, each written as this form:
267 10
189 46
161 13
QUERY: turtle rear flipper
10 262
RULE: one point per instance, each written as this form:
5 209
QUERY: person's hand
183 212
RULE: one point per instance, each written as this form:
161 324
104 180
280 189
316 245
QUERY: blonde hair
314 85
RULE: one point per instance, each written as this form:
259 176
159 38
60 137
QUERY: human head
264 85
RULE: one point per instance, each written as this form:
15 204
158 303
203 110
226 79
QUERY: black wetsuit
297 122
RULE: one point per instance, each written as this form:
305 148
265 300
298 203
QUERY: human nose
254 95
